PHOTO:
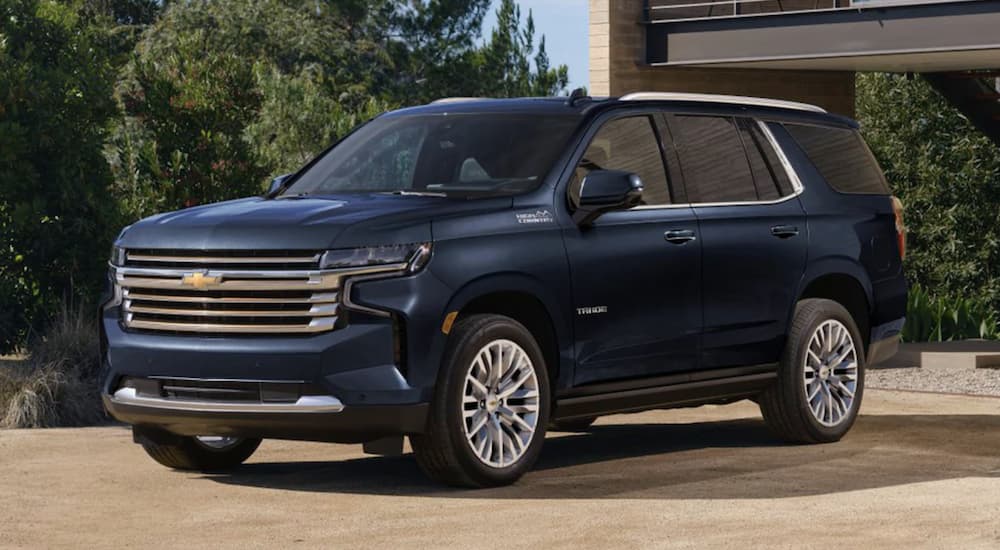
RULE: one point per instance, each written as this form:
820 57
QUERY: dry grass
56 385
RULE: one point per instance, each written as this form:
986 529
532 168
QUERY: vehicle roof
583 107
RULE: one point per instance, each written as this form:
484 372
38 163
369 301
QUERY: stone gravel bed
957 380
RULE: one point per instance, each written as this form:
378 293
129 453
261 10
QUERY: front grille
227 292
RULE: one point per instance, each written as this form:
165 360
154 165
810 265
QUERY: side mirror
606 190
277 184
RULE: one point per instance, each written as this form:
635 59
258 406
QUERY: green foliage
222 95
56 215
297 119
112 110
505 63
932 318
948 176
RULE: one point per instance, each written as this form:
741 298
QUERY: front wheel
821 377
487 422
202 453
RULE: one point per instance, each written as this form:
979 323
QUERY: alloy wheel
830 374
217 442
500 403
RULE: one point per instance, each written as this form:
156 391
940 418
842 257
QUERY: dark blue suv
473 273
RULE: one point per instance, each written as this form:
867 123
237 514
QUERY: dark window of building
713 160
768 174
627 144
841 157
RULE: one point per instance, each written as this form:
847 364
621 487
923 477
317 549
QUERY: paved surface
918 470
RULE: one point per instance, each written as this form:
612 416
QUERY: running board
666 396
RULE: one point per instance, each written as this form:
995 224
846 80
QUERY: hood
311 223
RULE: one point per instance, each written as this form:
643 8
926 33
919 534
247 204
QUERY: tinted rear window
713 160
842 158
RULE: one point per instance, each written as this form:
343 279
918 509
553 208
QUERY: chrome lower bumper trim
305 404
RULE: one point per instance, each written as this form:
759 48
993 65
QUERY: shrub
56 214
57 384
932 318
947 174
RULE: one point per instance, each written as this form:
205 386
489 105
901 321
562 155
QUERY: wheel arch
848 288
524 300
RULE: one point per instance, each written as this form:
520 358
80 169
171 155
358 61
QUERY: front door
636 274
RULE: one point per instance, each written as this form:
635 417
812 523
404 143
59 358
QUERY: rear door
636 274
753 233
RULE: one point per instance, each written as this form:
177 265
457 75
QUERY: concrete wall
617 67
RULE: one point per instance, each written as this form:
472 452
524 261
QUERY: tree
948 176
56 213
505 62
223 94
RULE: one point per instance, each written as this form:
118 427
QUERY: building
802 50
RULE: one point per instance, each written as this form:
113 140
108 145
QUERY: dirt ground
917 470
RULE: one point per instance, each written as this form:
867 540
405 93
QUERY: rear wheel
487 421
821 376
204 453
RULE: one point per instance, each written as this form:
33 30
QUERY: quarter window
627 144
841 157
713 160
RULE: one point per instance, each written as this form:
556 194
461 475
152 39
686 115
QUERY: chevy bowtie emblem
200 280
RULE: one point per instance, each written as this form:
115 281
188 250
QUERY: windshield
453 155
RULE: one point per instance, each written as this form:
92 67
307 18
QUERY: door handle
784 231
679 236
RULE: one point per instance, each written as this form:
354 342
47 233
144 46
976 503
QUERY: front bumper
357 391
313 418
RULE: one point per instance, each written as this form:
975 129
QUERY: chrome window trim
305 404
793 177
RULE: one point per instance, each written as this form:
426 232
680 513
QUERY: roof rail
456 99
716 98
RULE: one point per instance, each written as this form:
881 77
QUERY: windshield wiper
294 196
403 192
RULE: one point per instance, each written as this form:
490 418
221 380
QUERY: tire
192 453
573 424
459 446
787 406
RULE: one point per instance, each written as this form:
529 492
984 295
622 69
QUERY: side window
841 157
768 174
713 160
628 144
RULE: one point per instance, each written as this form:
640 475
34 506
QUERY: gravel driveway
903 373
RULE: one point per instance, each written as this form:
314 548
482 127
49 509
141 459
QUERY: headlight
117 252
411 257
117 255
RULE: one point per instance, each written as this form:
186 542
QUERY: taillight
897 209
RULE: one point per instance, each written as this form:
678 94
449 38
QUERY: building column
617 67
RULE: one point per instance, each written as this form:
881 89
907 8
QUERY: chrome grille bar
215 260
316 311
314 326
315 298
224 292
